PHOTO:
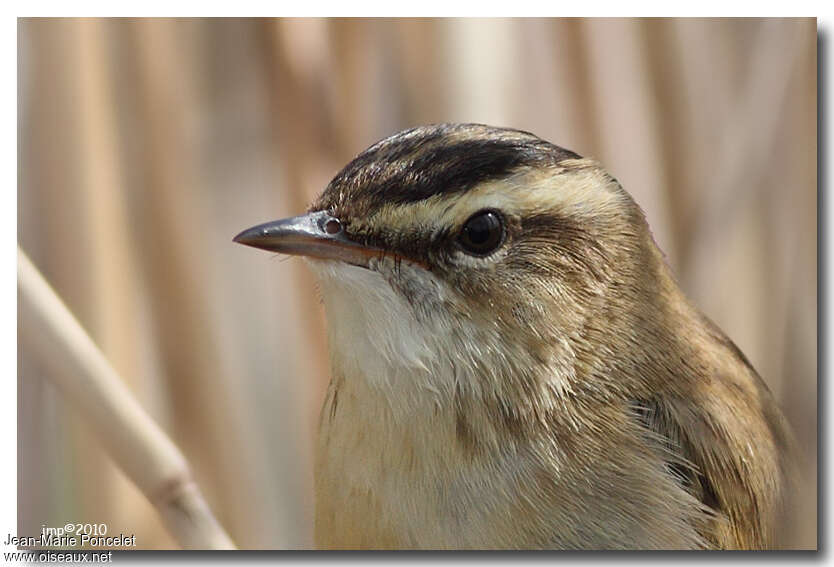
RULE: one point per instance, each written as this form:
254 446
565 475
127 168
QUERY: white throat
374 335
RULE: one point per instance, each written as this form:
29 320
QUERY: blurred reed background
146 145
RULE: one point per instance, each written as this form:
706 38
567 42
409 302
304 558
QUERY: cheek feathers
564 229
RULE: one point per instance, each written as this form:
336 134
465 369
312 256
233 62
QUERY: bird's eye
482 234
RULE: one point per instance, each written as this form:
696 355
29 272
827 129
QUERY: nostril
333 226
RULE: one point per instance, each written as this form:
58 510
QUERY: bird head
485 255
499 302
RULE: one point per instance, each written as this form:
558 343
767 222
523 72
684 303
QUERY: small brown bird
514 365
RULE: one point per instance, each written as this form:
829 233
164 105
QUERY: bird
514 365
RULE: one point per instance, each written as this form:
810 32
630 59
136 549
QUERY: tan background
144 146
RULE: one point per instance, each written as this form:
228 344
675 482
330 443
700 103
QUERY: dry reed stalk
137 444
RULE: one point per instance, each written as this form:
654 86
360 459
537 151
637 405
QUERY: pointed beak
316 235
